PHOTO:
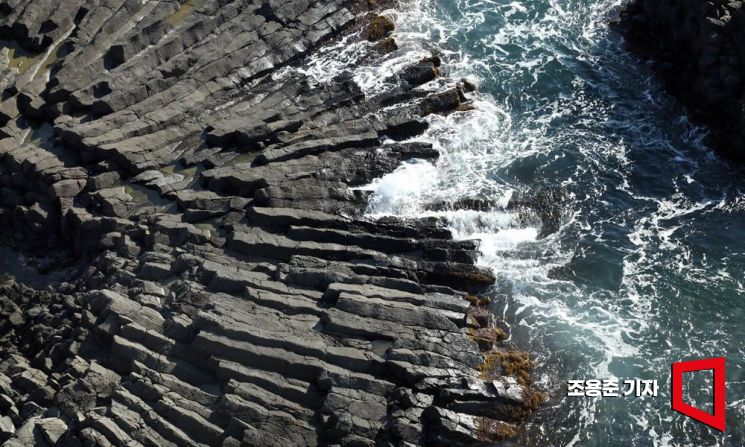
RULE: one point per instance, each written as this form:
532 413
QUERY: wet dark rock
468 86
467 203
419 74
387 45
546 203
698 50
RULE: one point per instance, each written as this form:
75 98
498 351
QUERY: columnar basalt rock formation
698 47
226 287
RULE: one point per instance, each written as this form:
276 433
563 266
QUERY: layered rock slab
229 289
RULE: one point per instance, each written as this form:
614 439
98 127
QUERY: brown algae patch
19 58
145 197
500 362
491 430
508 363
52 57
245 158
168 170
183 12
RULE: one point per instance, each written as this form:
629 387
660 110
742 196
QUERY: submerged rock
547 204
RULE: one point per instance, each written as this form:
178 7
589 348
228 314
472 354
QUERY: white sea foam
402 191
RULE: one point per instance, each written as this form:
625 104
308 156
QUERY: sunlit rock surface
222 285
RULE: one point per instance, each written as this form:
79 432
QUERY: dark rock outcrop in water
228 289
699 49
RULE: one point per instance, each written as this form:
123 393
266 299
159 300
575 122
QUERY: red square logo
718 365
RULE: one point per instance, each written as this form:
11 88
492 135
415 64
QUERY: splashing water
646 269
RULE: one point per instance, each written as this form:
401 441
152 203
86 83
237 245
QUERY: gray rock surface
222 285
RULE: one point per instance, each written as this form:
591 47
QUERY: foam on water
401 191
628 283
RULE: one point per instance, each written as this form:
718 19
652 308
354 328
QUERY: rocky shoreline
698 49
224 286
